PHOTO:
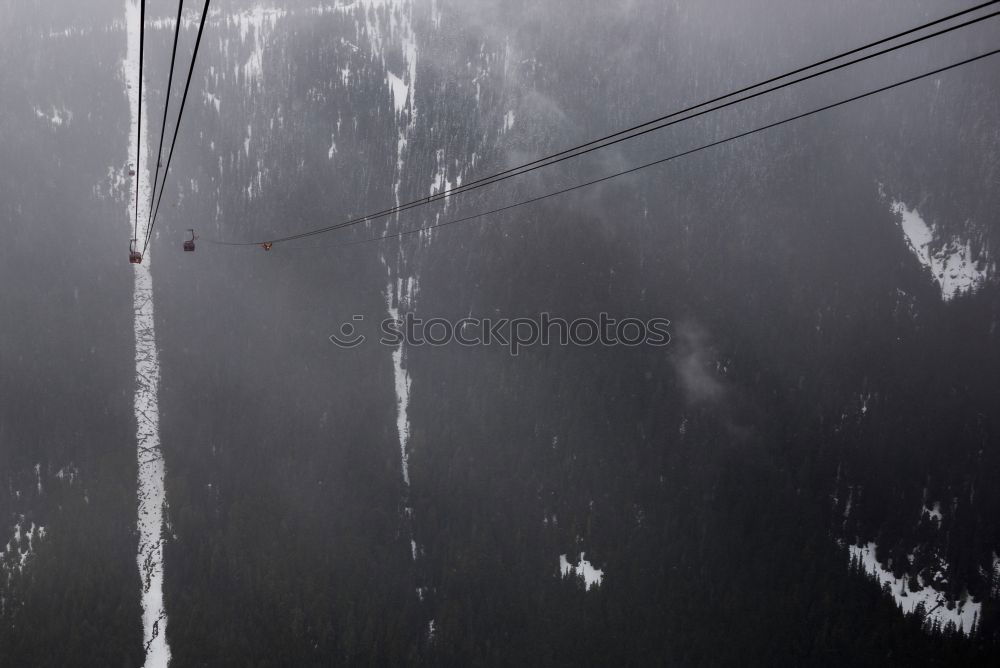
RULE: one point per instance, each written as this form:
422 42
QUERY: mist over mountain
194 472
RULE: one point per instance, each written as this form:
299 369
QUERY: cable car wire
660 161
180 115
604 143
650 126
166 106
138 143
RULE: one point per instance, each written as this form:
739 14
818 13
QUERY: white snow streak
508 120
256 24
151 494
369 15
402 397
400 92
435 14
399 292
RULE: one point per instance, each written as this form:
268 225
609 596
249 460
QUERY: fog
812 355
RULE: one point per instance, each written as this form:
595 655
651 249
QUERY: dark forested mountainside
824 395
68 583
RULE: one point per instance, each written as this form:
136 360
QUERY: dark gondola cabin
189 243
134 256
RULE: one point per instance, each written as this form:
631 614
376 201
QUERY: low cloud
694 365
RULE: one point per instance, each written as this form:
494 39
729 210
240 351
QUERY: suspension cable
660 161
138 143
180 115
649 126
166 106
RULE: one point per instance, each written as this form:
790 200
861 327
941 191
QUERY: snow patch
255 24
952 265
213 100
20 547
440 182
58 116
67 473
995 577
400 91
436 14
964 614
592 577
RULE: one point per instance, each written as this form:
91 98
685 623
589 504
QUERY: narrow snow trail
395 35
402 384
151 495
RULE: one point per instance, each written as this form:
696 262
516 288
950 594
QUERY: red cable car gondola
134 256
